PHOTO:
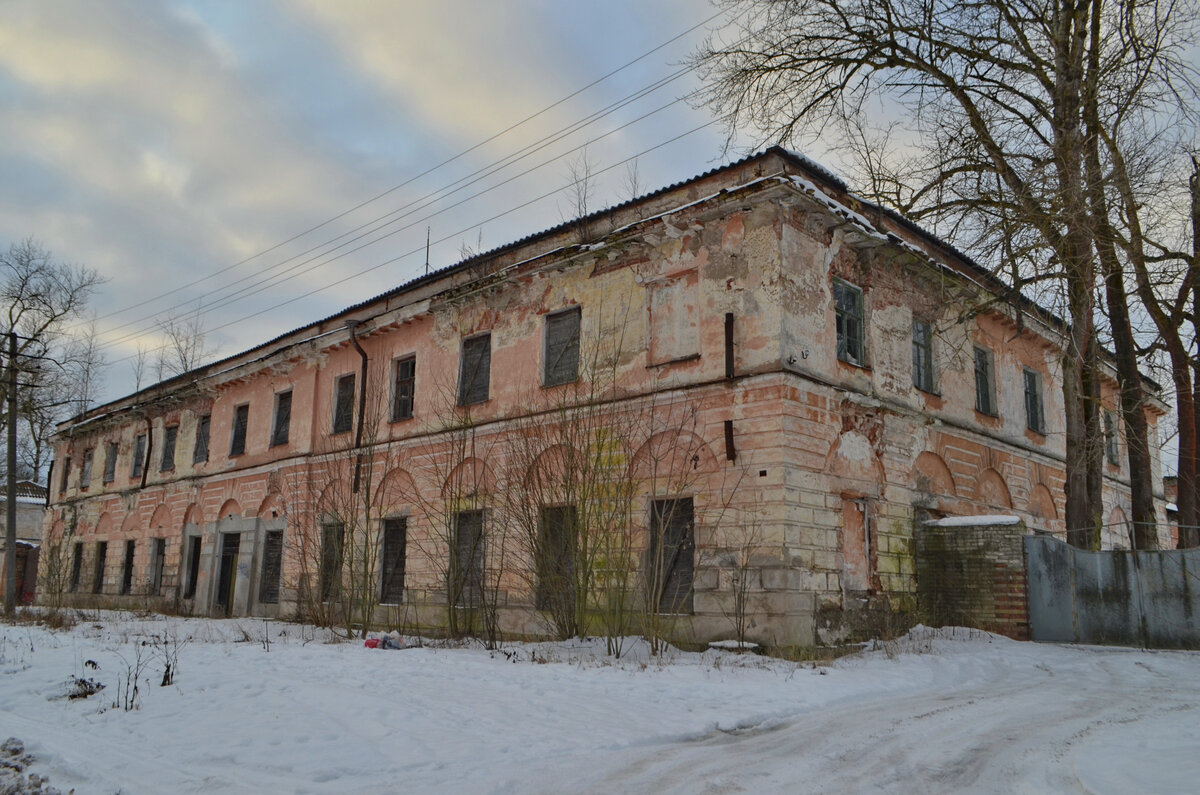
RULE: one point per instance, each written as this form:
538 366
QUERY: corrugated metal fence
1149 599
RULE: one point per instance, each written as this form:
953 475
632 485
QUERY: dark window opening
272 566
76 566
922 345
283 418
156 566
170 434
343 407
241 420
200 451
466 566
985 383
475 367
395 532
1111 451
127 569
333 536
671 564
193 570
560 355
98 574
848 311
1034 418
66 471
557 539
404 388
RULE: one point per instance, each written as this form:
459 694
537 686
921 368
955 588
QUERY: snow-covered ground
944 711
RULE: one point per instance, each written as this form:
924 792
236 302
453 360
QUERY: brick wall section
973 575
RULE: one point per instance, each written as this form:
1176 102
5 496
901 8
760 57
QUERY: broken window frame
111 450
924 374
158 558
240 429
127 567
343 403
560 347
200 449
664 572
475 369
282 422
985 381
139 457
849 315
64 475
98 567
170 436
1035 417
85 469
404 387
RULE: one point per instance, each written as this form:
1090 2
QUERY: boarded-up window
466 567
127 568
395 533
1034 418
557 538
404 388
560 355
85 474
170 434
671 565
475 370
98 574
76 566
674 318
200 451
241 420
139 456
283 418
333 536
193 570
857 554
272 566
110 462
156 565
343 404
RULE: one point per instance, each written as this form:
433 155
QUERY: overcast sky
178 147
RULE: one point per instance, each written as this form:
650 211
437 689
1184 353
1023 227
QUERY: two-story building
731 397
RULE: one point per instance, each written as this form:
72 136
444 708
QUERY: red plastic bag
371 643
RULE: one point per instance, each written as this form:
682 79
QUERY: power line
427 171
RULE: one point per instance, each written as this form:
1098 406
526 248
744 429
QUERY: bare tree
998 99
185 344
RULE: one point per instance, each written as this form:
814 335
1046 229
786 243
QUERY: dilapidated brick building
729 398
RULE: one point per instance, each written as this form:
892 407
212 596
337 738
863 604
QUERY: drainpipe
149 449
362 404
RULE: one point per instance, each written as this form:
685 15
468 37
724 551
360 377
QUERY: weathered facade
731 397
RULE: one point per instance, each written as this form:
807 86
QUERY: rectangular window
343 405
170 434
85 474
560 348
139 456
200 451
1111 451
76 566
466 565
671 563
283 418
1034 418
333 536
395 532
985 382
241 420
66 471
475 369
98 573
404 388
110 462
922 353
156 565
127 568
848 310
193 570
557 537
272 566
